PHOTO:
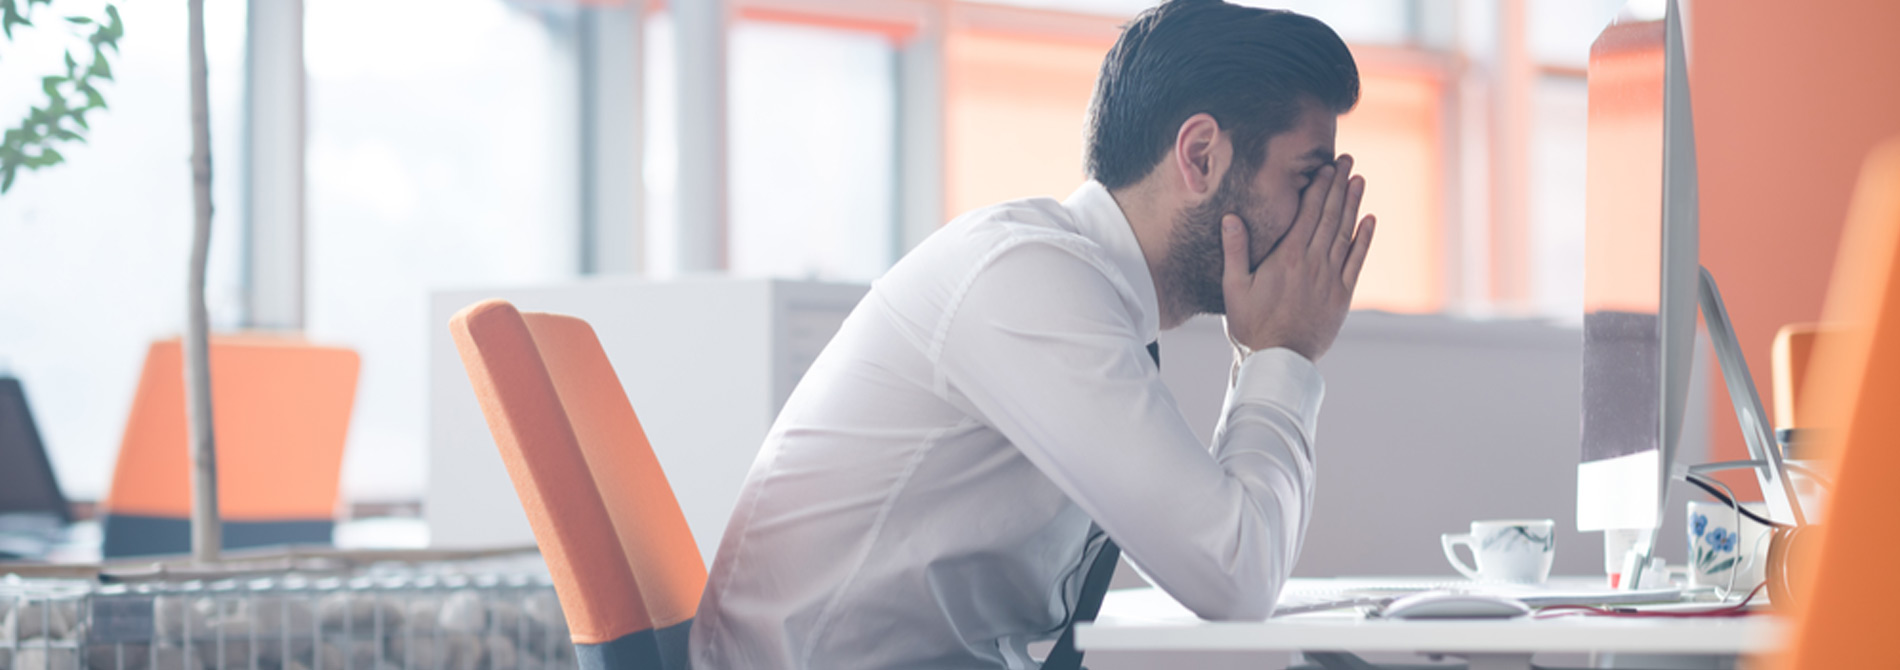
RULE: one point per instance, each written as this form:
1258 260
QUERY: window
438 157
442 151
661 163
1557 171
1016 102
811 150
1559 36
813 129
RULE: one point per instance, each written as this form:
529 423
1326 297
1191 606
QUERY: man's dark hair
1249 68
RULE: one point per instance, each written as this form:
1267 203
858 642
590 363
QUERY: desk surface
1147 619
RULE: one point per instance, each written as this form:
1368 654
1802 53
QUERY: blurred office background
437 144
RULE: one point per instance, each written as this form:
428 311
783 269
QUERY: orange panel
653 532
895 31
544 460
1394 136
1015 111
281 409
1015 127
1845 613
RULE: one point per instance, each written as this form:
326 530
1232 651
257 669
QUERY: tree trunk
206 533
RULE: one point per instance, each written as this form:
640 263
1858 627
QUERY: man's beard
1195 257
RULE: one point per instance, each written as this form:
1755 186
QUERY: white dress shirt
924 499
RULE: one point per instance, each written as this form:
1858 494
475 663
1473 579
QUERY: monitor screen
1640 271
26 477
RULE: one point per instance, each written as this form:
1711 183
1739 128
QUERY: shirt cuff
1281 377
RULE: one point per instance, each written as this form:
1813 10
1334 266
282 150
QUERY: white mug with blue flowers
1719 548
1517 551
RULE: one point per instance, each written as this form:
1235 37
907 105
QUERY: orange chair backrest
1793 356
647 517
281 414
1845 613
542 452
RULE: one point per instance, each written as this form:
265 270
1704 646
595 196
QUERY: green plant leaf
32 144
12 19
1724 565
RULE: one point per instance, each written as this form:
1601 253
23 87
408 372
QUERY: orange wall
1789 98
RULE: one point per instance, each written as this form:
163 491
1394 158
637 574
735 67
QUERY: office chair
281 409
623 560
1792 357
1844 597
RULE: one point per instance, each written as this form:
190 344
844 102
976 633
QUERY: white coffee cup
1719 548
1513 551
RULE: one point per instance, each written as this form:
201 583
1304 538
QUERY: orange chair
623 559
1793 354
282 412
1844 611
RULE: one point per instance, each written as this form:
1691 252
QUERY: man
929 494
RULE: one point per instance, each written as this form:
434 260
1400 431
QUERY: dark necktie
1094 586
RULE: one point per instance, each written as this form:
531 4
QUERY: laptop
33 512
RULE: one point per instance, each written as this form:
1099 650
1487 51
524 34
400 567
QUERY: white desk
1149 620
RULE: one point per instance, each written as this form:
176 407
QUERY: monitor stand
1777 489
1764 455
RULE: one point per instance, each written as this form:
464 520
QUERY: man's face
1267 200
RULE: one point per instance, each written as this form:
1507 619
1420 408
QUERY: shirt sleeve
1044 348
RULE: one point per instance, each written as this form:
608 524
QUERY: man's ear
1202 154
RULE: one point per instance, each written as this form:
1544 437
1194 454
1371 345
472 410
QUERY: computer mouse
1454 605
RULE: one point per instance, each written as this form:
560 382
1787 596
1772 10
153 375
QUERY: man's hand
1298 296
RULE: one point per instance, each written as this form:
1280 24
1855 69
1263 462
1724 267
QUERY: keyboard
1303 596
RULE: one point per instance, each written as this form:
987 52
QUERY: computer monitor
1640 272
1642 285
27 485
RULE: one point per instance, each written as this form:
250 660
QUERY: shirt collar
1099 218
